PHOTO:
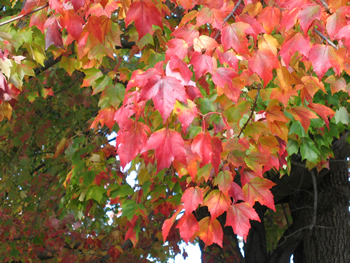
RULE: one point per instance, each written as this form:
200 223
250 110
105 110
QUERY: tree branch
251 114
24 15
314 216
325 38
229 16
323 2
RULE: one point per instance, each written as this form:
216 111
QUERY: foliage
205 98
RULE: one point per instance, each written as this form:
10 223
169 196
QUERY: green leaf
297 129
112 96
129 207
342 115
101 83
95 192
308 150
292 147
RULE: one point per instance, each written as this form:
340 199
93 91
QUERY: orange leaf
210 231
303 115
257 189
217 203
188 226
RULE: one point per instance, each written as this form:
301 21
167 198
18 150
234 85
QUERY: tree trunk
329 239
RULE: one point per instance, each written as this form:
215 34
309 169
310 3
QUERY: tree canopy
216 107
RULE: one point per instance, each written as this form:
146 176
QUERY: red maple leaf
145 14
227 83
337 20
177 47
257 189
202 64
323 111
188 226
297 43
98 26
210 231
322 58
308 15
191 198
238 216
131 141
53 34
217 203
208 148
270 18
168 223
164 91
235 36
263 62
168 145
186 113
77 4
344 35
303 115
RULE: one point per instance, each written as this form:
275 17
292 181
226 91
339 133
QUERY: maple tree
232 115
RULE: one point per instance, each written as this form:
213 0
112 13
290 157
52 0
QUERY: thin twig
251 114
314 184
21 16
326 6
229 16
325 38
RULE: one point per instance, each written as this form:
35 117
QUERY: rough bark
329 239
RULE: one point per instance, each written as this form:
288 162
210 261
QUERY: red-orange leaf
202 64
257 189
323 111
176 47
238 216
303 115
131 141
186 113
191 198
168 145
208 148
235 36
217 203
53 34
308 15
145 14
322 58
168 223
263 62
344 35
297 43
164 91
210 231
270 18
188 226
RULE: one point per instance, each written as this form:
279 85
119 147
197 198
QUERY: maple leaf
192 197
208 148
187 33
168 223
235 192
77 4
257 189
178 69
303 115
53 34
186 113
228 84
296 43
176 47
238 216
202 64
307 15
168 145
223 180
337 20
188 226
270 17
131 141
210 231
235 36
323 111
289 18
204 43
38 19
104 117
145 14
312 85
336 83
164 91
230 58
263 62
217 203
344 35
322 58
257 27
73 23
98 26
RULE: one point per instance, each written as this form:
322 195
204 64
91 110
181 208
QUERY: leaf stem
326 6
251 114
229 16
21 16
325 38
